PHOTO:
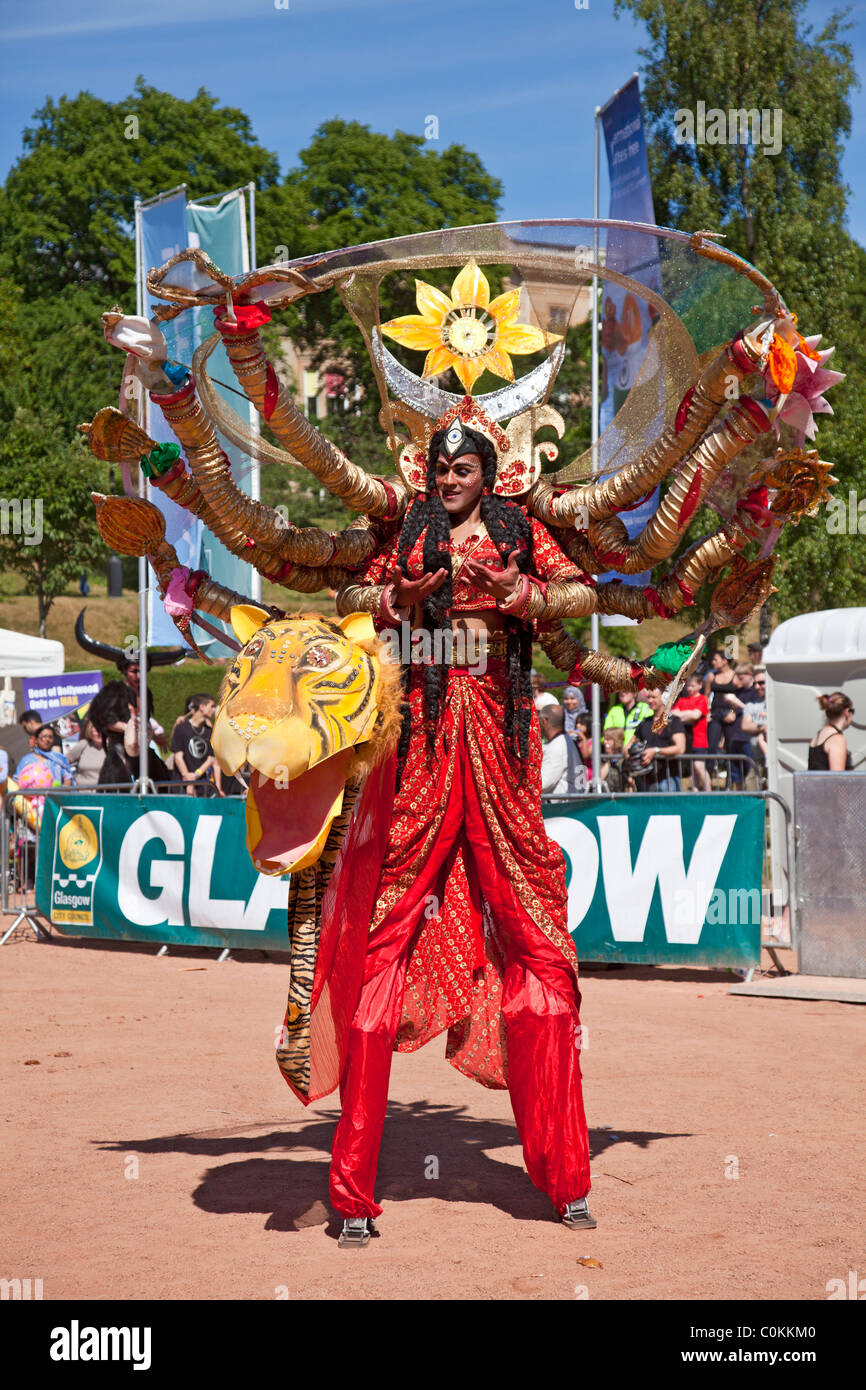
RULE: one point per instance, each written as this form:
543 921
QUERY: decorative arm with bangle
531 599
377 599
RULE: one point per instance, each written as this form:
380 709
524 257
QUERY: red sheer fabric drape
466 931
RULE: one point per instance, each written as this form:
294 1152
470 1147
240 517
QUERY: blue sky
517 82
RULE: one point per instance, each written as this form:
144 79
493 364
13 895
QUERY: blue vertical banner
163 234
221 231
169 225
626 319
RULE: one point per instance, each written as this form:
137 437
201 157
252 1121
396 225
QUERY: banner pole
255 466
594 626
254 265
143 578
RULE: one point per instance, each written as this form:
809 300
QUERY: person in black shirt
738 741
828 751
111 712
658 768
191 745
719 683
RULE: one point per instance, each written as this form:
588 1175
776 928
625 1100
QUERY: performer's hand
408 592
499 583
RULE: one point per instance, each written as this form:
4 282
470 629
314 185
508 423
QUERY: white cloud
98 17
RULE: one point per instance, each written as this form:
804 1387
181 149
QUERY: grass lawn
114 620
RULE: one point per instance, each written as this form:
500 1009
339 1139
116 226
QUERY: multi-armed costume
468 930
405 798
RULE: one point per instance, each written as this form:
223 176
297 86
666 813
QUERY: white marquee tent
22 655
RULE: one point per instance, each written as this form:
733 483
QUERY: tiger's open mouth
288 823
292 798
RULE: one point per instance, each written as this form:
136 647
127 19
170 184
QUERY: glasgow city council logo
77 861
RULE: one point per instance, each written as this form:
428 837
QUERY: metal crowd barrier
19 846
681 765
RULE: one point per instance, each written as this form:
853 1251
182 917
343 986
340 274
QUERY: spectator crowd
99 747
715 737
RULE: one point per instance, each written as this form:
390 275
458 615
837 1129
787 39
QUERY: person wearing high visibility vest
626 714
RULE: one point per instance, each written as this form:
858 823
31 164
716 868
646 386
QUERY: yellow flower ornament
468 331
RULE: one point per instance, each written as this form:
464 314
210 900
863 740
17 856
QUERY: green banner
658 879
665 880
156 868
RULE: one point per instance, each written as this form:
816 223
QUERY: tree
66 220
783 211
353 185
45 487
66 211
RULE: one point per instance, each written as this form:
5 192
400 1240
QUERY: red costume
447 910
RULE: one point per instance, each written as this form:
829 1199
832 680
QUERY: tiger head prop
311 705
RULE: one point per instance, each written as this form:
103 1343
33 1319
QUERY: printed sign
156 868
661 879
54 696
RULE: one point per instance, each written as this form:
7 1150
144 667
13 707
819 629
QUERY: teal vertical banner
626 321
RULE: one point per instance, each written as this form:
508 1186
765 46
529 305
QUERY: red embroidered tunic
549 563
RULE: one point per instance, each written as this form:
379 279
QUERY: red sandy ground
155 1152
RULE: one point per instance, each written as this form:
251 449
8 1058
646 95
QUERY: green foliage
618 641
784 212
572 395
736 54
354 185
45 484
66 218
67 254
614 640
67 208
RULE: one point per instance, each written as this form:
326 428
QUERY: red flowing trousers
472 908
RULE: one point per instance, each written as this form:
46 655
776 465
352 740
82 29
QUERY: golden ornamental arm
359 598
585 664
601 498
662 533
239 517
257 378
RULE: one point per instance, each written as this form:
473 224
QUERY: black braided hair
509 530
